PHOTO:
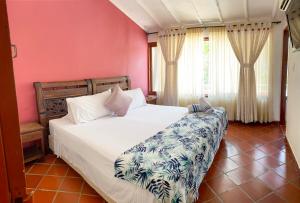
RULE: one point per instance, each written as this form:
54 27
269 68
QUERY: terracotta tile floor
254 164
52 181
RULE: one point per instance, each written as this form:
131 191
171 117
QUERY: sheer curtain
264 79
171 42
159 75
190 68
223 72
210 68
247 42
205 68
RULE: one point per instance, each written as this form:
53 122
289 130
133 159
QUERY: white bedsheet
92 148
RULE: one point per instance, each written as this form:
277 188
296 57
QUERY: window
208 67
262 71
152 65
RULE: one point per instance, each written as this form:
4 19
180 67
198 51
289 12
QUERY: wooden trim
284 75
150 45
11 155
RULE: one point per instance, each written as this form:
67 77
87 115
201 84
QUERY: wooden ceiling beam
149 12
275 8
219 11
170 10
246 9
194 3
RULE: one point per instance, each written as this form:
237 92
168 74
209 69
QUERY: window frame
150 65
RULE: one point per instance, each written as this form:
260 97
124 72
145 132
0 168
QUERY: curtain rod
274 22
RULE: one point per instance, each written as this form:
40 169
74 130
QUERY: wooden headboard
103 84
51 96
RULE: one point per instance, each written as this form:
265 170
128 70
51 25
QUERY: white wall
293 103
277 34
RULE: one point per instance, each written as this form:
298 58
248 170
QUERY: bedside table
32 133
151 99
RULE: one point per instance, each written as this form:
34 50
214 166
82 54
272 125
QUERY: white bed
92 148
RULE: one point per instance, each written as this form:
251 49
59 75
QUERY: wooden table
32 140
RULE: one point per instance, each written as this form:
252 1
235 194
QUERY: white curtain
171 42
223 72
190 68
264 82
208 67
247 42
159 75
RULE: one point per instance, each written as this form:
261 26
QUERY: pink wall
72 39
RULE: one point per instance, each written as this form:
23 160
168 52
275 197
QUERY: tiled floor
52 181
254 164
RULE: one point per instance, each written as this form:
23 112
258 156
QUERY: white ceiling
154 15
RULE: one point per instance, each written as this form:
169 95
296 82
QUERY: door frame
4 190
284 70
12 178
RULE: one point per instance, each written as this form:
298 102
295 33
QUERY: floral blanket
173 163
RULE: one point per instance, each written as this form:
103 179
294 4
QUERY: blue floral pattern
173 163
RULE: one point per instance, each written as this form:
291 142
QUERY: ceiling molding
194 3
170 10
219 11
275 8
246 9
149 12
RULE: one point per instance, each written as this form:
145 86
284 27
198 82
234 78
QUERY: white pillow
69 115
87 108
138 98
202 106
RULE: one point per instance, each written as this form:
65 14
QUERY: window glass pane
205 66
190 69
262 71
154 68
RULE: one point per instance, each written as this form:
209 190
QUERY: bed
92 148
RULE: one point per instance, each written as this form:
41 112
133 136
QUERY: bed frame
51 96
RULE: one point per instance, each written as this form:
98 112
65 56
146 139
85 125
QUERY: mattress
92 148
